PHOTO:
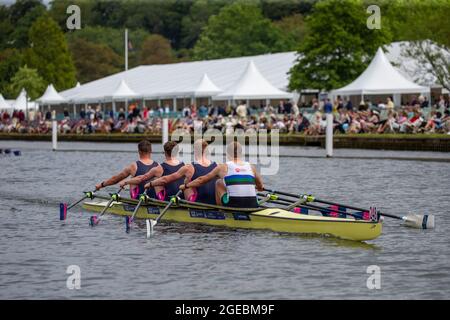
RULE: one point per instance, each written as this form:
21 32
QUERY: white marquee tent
163 81
51 96
380 77
205 88
3 104
21 102
122 93
252 85
171 81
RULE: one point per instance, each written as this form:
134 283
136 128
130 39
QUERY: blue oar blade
128 221
62 211
93 220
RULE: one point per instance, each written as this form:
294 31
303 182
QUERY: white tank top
240 180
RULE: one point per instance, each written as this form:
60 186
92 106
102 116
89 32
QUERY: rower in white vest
237 180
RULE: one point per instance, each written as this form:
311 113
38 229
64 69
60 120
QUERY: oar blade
93 221
62 211
150 224
128 221
420 221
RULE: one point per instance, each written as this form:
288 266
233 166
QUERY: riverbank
406 142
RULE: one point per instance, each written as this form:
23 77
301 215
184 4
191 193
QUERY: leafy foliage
94 60
10 62
418 20
30 80
338 47
239 29
156 50
433 59
49 54
295 29
330 33
114 39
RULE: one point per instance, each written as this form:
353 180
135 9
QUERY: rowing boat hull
274 219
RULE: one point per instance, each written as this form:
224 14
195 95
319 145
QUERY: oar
152 223
411 220
94 220
129 220
286 202
64 207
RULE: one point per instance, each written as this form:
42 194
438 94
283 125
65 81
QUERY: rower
200 167
142 166
168 167
237 180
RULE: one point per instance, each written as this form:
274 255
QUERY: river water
196 262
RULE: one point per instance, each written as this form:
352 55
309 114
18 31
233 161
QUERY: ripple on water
193 262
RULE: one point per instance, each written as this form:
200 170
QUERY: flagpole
126 49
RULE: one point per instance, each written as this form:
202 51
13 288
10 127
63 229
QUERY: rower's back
207 192
141 169
240 183
173 187
143 165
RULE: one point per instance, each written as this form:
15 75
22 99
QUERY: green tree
30 80
338 47
16 20
6 27
10 62
432 59
294 27
278 9
20 37
113 38
418 20
58 11
49 53
156 50
193 23
21 7
94 60
239 30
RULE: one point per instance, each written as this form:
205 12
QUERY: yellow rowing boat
274 219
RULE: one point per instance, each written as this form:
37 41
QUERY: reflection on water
192 262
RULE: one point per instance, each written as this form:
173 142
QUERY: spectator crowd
416 116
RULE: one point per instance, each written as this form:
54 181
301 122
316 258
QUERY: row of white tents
245 78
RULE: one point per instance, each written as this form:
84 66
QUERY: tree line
36 48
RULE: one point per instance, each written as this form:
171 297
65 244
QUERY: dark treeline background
36 48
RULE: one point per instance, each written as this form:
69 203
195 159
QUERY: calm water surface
194 262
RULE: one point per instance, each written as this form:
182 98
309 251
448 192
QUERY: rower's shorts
239 202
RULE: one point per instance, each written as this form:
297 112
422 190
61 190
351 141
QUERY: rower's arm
160 182
117 178
154 172
258 179
218 172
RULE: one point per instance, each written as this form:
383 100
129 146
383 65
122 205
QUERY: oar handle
357 208
284 201
172 200
87 194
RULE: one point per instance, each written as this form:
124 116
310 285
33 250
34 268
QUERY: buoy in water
17 153
7 151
